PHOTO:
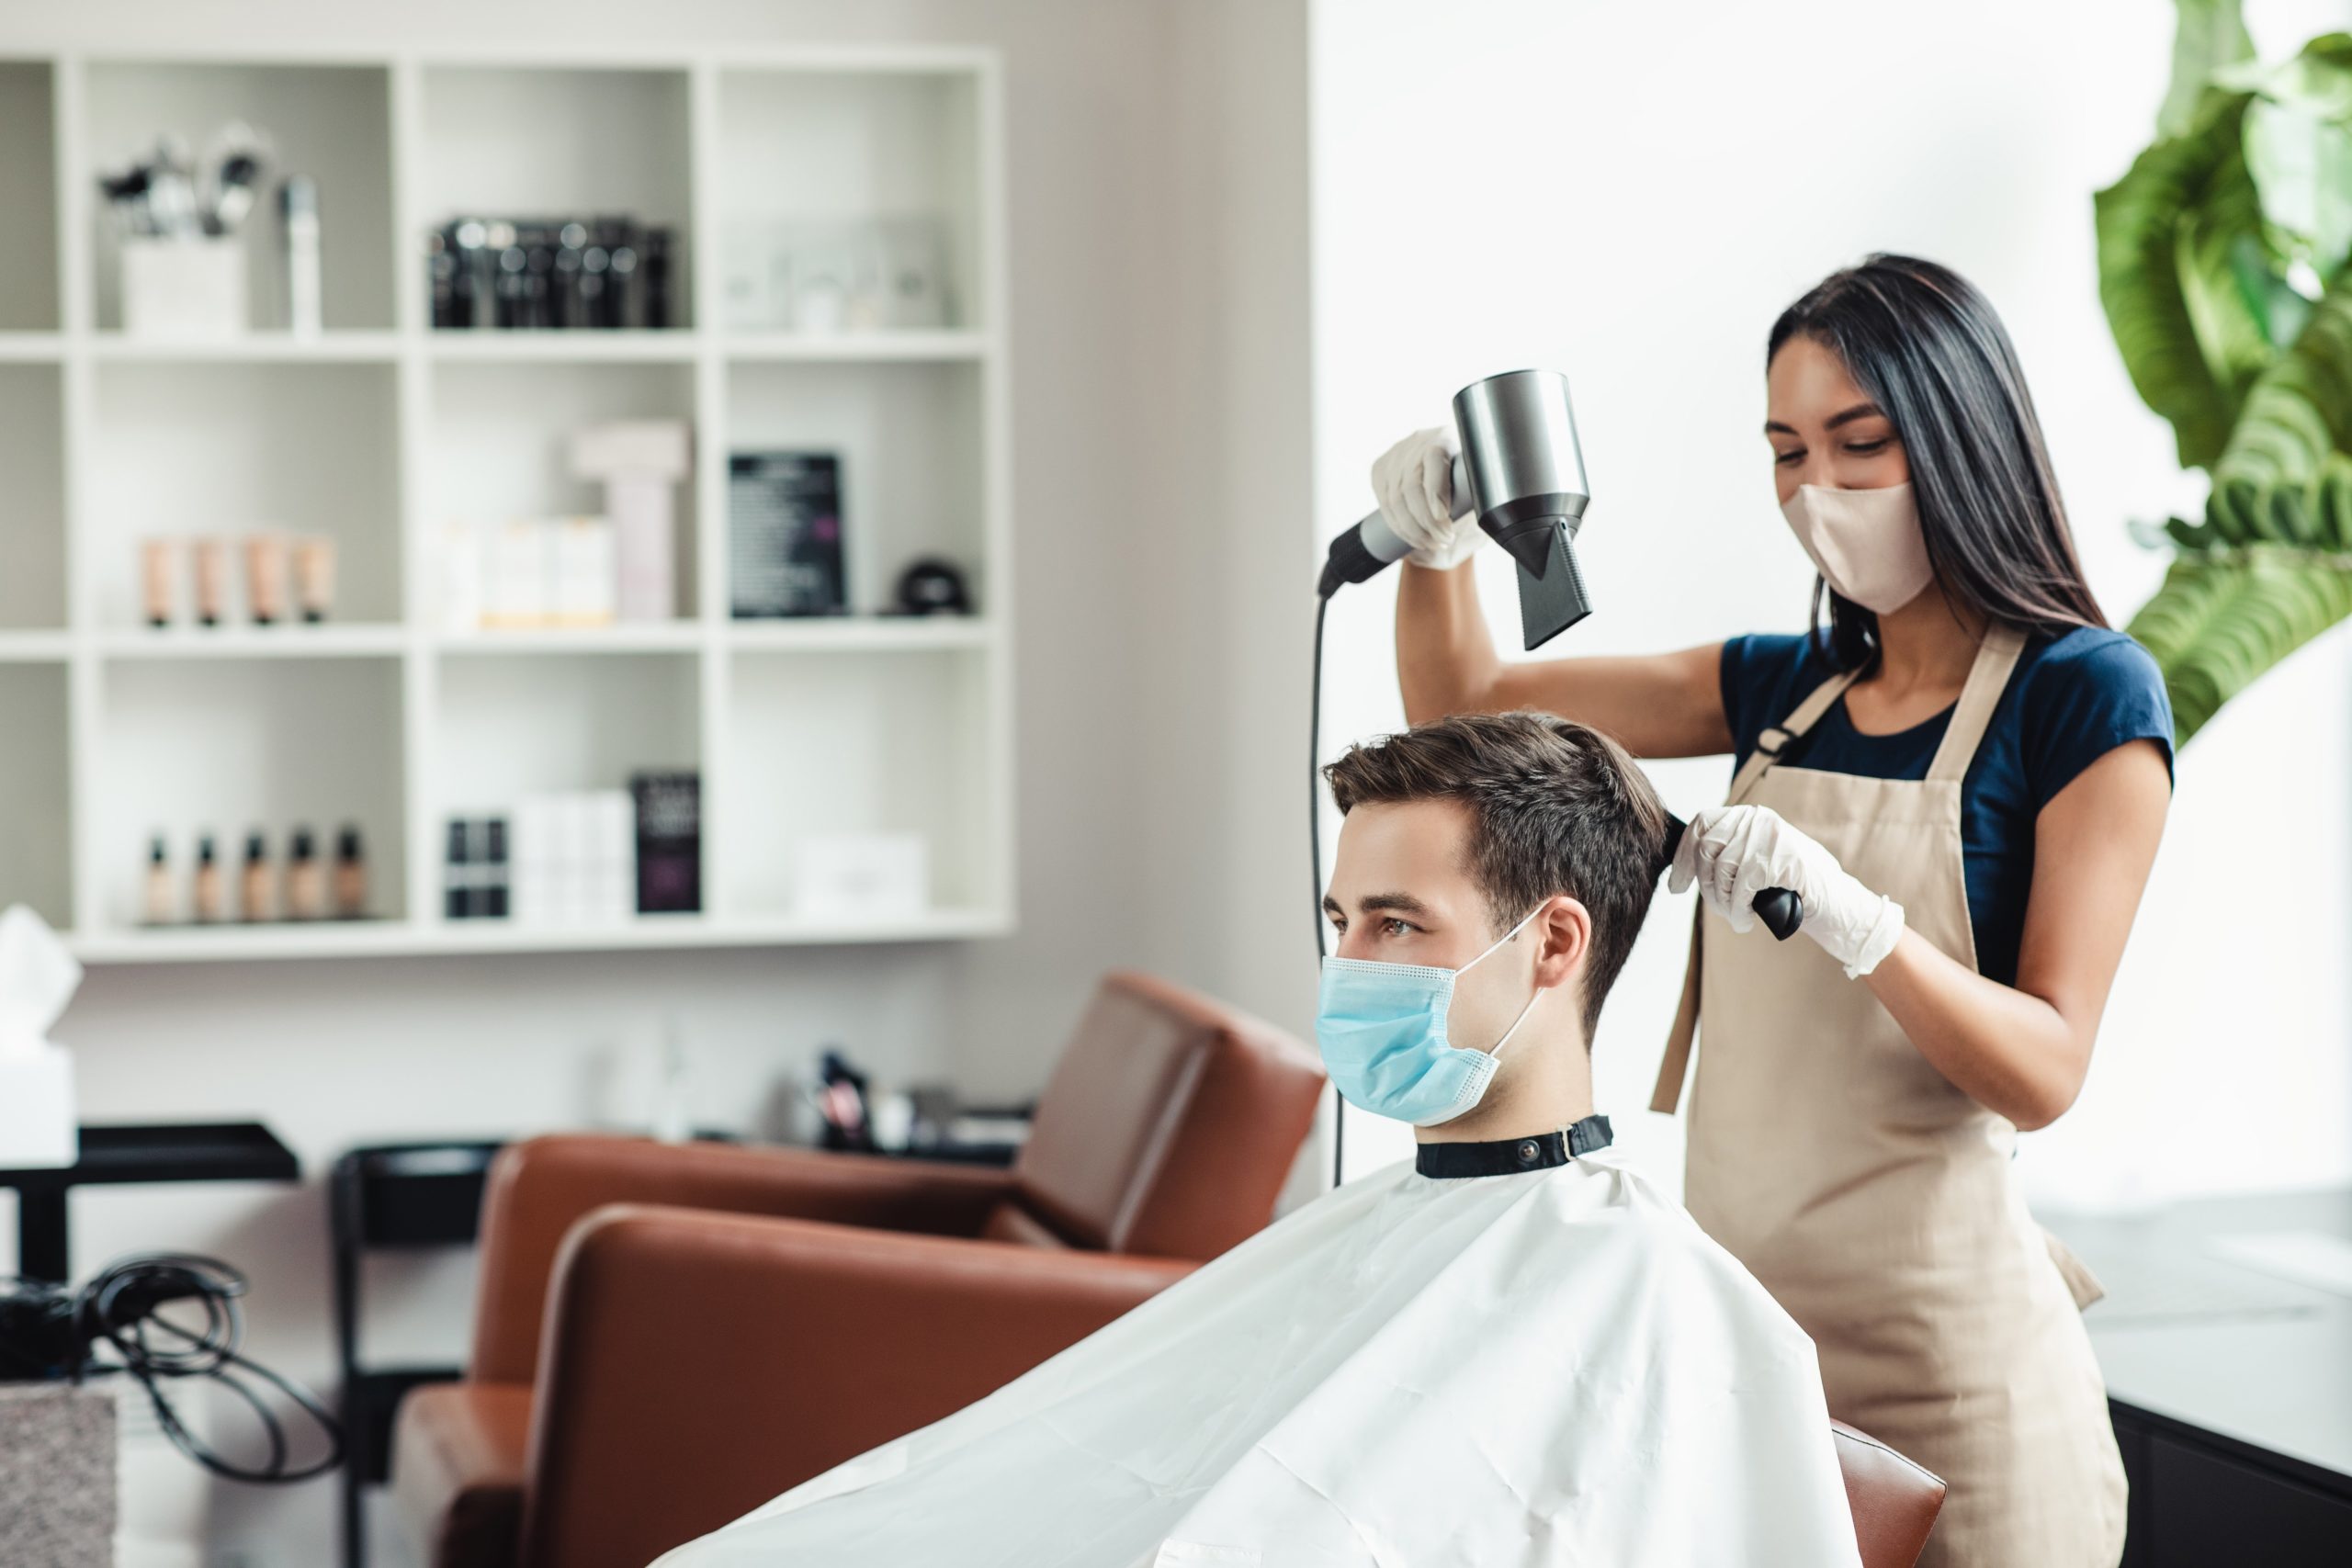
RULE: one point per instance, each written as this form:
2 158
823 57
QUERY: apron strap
1770 744
1988 677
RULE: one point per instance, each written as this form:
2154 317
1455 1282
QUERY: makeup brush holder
182 288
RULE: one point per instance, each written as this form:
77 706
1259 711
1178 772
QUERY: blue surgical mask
1382 1027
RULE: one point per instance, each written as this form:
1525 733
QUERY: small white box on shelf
862 876
519 572
575 858
182 288
584 571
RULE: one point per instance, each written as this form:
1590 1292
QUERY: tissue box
56 1476
37 1126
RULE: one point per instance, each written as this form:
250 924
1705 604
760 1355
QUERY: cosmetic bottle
350 875
158 560
157 905
297 208
208 903
265 577
315 577
211 580
253 890
306 879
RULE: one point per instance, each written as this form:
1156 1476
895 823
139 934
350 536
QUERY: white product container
184 288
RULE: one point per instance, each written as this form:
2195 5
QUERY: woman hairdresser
1965 776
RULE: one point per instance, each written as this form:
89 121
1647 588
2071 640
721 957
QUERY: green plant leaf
2298 142
2207 35
2168 232
2292 429
2221 620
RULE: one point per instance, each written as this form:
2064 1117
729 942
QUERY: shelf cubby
32 501
231 746
910 439
805 756
331 123
29 292
547 141
501 443
36 798
848 149
227 450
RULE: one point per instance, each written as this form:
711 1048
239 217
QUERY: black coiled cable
122 1308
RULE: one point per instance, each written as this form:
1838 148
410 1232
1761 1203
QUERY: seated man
1508 1350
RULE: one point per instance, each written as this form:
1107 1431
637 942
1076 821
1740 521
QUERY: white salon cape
1549 1368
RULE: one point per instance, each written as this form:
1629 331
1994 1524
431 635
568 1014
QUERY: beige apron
1875 1201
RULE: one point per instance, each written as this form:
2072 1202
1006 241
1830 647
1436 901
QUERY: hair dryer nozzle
1551 596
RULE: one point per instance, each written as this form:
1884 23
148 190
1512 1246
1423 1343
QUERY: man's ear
1564 927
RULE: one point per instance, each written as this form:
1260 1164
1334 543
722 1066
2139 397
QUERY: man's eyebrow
1843 416
1400 903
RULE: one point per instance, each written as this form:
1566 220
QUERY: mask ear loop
1497 1050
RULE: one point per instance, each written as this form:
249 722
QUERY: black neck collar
1509 1156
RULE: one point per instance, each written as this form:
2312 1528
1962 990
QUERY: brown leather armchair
878 1294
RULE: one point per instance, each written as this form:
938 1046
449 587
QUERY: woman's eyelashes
1857 448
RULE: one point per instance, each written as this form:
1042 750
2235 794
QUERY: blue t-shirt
2071 700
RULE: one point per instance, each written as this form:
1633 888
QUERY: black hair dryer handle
1781 910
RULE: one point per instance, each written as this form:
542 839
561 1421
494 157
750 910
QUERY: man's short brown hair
1555 808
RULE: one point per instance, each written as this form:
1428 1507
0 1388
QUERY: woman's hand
1735 852
1413 481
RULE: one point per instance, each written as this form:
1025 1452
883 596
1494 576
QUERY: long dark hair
1929 351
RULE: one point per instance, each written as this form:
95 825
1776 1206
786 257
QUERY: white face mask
1867 543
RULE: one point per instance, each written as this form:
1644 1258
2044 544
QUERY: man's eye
1395 926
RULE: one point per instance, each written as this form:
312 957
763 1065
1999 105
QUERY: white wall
1156 153
1632 195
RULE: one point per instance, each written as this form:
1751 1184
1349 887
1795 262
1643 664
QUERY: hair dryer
1521 469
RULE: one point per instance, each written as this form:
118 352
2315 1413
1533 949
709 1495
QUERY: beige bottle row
267 558
306 888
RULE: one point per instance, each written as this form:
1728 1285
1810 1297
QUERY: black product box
476 873
669 843
784 534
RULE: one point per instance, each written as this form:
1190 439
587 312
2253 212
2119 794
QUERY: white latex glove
1413 481
1734 852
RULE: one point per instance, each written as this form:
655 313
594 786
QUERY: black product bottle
350 876
209 905
457 877
306 879
495 878
253 890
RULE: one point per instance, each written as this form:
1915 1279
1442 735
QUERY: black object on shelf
224 1151
784 534
929 586
390 1196
609 273
669 841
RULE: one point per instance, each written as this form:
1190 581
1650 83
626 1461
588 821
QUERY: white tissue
38 977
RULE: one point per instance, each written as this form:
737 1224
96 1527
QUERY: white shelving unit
380 431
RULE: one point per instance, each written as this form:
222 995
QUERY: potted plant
2222 259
